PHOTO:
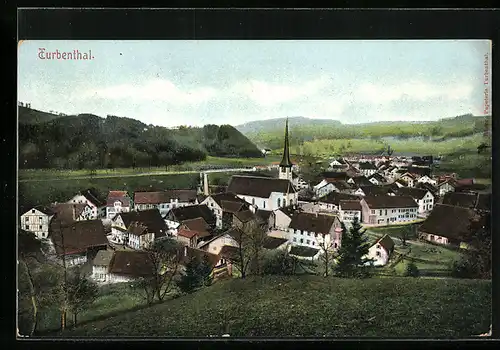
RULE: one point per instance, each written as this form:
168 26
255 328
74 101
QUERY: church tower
285 171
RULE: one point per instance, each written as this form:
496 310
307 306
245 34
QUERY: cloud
420 91
154 90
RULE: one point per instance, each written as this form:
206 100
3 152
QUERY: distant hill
269 133
89 141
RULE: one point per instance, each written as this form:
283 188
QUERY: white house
349 210
446 186
427 179
122 266
381 251
377 179
298 182
317 231
69 212
409 178
118 202
374 191
164 200
424 198
323 188
137 228
388 210
215 245
263 192
37 220
367 168
100 266
93 199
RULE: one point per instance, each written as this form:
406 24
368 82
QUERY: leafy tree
197 274
412 270
352 261
82 292
279 262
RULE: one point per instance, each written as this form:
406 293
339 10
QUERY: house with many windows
367 168
93 199
224 205
350 210
118 202
424 198
164 200
388 210
37 220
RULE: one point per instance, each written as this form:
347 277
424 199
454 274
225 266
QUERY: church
268 193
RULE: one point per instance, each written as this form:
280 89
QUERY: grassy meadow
298 306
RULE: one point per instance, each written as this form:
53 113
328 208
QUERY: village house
37 220
118 202
228 238
93 199
264 193
69 212
77 242
179 215
283 217
298 182
267 217
137 229
275 243
323 188
447 224
427 179
409 178
464 200
428 187
381 251
192 233
388 210
164 200
331 202
367 168
349 210
447 186
339 162
424 198
122 266
377 179
220 264
317 231
222 203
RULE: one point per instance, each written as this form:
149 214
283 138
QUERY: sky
198 82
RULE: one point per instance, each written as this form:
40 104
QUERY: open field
312 306
35 174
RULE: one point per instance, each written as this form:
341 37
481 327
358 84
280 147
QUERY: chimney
205 184
74 212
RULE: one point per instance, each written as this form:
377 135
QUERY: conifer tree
352 261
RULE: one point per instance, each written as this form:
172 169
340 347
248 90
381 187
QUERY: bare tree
327 256
81 293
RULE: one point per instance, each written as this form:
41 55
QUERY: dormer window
117 204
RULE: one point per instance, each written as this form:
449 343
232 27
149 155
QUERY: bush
412 270
462 269
279 263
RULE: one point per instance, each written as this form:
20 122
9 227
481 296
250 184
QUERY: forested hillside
89 141
270 133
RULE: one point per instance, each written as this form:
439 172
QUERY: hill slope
269 133
89 141
313 306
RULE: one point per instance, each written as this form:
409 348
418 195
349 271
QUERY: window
335 245
253 201
308 242
386 212
33 211
294 239
40 218
301 240
373 211
380 212
27 227
263 204
284 202
279 202
377 253
313 243
27 219
40 227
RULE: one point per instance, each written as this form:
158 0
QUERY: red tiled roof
186 233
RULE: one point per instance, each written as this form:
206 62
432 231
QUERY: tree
327 256
352 261
404 234
250 239
197 274
164 257
30 250
412 270
279 263
82 292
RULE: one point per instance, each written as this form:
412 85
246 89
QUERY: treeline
90 142
460 126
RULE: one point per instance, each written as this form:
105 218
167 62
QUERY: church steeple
285 161
285 171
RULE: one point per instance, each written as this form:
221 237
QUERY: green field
312 306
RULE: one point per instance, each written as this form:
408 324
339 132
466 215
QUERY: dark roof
151 219
214 189
378 177
285 161
93 196
350 205
464 200
103 258
64 211
416 193
342 185
386 242
335 198
375 190
244 215
78 236
318 223
367 166
157 197
447 221
261 187
483 202
303 251
273 242
201 197
183 195
427 186
186 233
380 202
121 196
362 181
290 210
199 225
229 251
402 182
419 170
334 175
264 215
131 263
47 210
193 212
472 188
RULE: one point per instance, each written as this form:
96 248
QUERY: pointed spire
285 161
